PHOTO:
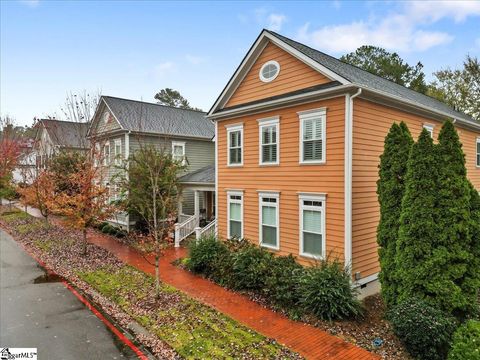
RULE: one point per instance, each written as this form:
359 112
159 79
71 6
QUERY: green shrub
281 284
121 233
107 228
251 265
425 330
205 255
325 291
466 342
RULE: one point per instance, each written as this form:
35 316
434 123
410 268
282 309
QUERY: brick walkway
307 340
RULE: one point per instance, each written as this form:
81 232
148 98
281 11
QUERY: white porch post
180 206
197 206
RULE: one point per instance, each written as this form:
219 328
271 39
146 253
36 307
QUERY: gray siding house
54 135
121 126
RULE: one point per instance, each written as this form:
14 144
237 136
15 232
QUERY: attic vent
269 71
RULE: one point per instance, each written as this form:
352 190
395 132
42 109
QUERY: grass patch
14 215
44 245
30 227
188 326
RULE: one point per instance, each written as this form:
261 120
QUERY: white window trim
262 123
312 197
274 195
118 159
260 73
234 193
106 161
182 144
230 129
476 152
430 128
307 115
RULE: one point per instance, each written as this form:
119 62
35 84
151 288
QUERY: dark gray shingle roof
365 79
155 118
66 134
205 175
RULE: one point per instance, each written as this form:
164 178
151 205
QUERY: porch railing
209 230
185 229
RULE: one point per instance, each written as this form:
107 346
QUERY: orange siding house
298 140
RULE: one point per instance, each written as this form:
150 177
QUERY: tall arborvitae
418 231
452 256
472 281
390 190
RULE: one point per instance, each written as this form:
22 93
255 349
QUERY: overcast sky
133 49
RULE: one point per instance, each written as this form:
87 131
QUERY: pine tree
418 231
390 190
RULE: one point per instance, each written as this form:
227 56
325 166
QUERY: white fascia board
285 102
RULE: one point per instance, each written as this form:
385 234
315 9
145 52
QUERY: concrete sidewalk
46 315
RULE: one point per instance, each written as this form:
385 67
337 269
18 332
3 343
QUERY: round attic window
269 71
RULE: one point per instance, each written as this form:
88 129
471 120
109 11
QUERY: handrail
207 230
185 229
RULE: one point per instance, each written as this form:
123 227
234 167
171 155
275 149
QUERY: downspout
348 176
216 178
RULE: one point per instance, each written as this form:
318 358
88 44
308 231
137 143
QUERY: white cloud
30 3
405 30
163 68
437 10
265 18
195 60
275 21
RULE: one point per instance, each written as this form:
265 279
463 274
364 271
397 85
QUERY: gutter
348 175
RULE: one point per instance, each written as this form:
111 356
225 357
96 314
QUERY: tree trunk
84 243
157 274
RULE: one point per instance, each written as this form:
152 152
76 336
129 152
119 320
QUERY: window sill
324 162
312 257
234 165
269 164
270 247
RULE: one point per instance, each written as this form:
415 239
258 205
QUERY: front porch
203 220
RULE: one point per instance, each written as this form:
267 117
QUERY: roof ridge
64 121
151 103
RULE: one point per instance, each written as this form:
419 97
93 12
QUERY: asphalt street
46 315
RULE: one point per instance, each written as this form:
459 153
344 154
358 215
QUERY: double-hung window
106 154
269 229
235 144
269 134
312 225
478 152
312 136
178 150
118 151
235 214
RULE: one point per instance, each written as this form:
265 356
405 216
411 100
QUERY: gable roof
66 134
140 116
345 74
